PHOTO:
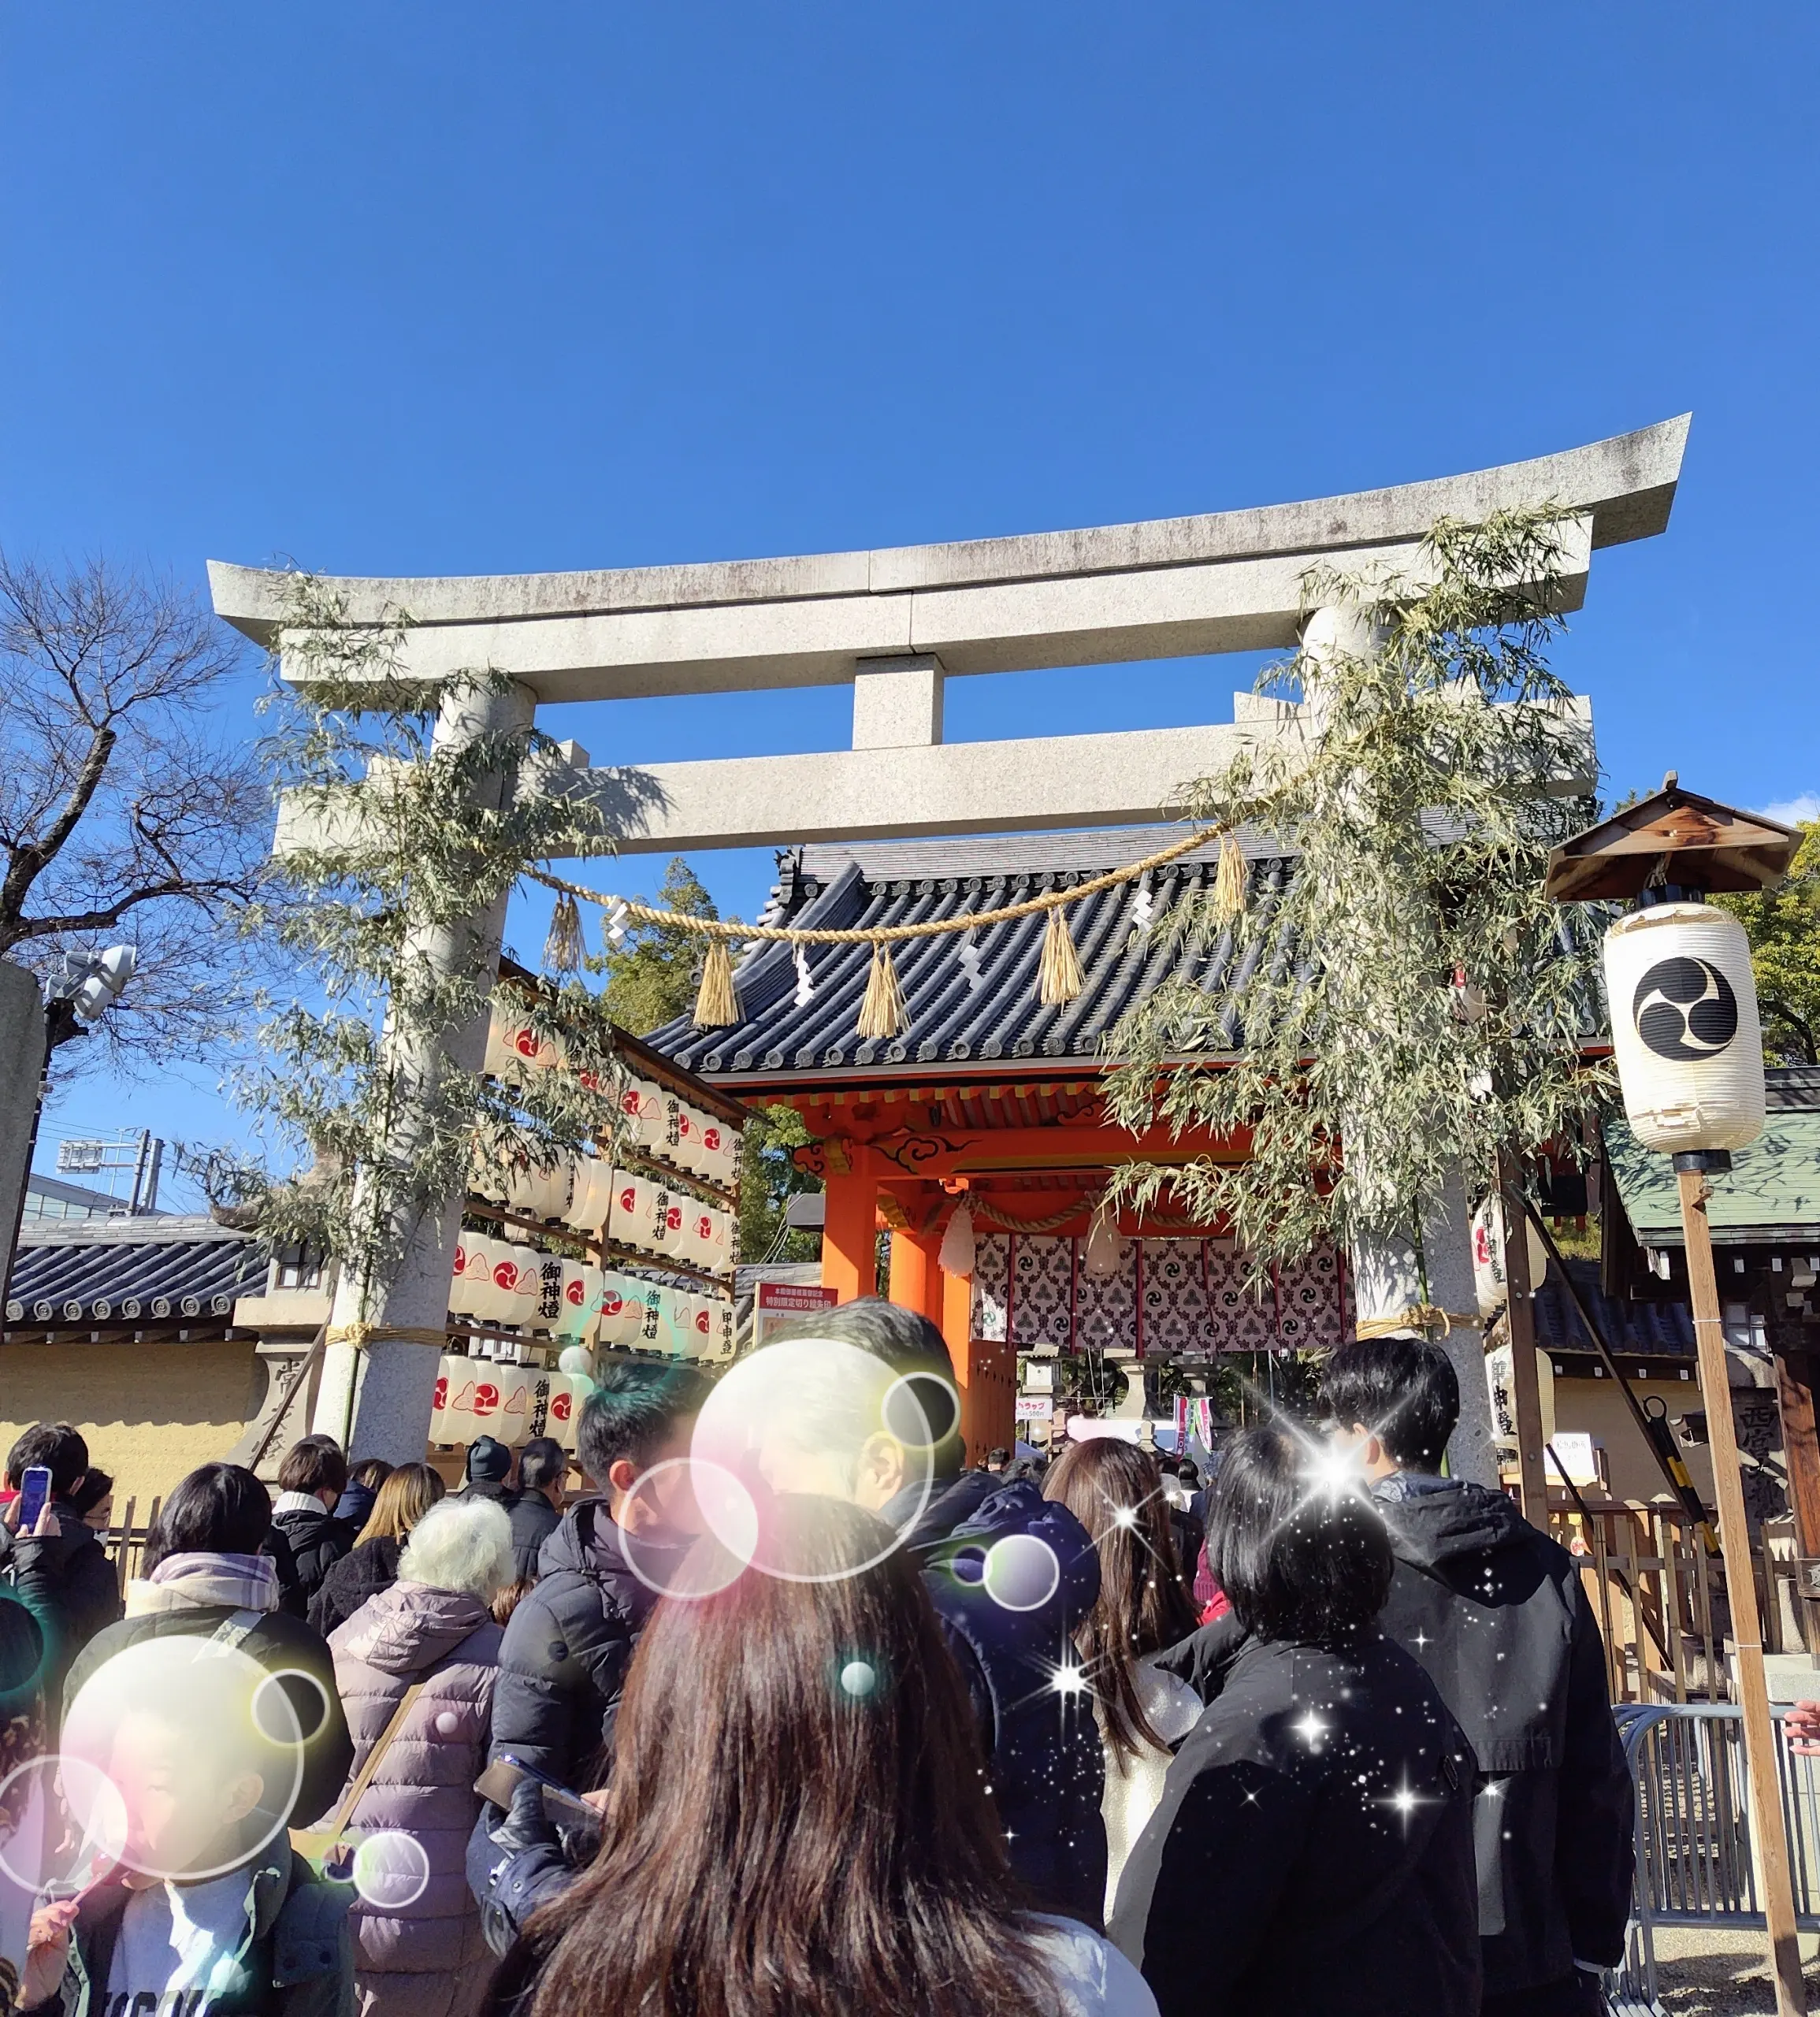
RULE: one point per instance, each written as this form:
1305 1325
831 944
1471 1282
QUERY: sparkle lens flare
203 1746
819 1418
1020 1572
391 1870
692 1528
63 1826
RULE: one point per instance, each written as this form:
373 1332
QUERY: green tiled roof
1772 1194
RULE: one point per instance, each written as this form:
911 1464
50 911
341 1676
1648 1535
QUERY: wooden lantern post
1678 845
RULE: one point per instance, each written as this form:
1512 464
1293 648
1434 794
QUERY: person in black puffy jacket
311 1481
62 1575
1313 1848
404 1497
1495 1612
537 1511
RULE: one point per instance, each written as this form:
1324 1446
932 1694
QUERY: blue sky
423 289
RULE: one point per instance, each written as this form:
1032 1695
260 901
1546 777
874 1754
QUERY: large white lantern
1685 1028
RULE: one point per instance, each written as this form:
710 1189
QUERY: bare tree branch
124 801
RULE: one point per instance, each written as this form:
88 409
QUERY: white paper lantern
590 1193
1103 1255
724 1329
669 1210
618 1308
444 1414
550 1303
1683 1027
568 1392
1488 1256
581 1288
651 1325
957 1243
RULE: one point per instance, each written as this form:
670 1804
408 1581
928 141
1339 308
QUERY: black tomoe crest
1684 1010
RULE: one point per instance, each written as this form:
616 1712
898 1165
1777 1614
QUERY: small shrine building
990 1097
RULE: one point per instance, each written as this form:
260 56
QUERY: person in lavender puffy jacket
422 1955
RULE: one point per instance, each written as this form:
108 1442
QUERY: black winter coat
280 1643
317 1540
1041 1743
1495 1612
562 1664
363 1573
1313 1853
67 1583
534 1519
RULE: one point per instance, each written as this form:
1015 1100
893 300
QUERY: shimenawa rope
882 1013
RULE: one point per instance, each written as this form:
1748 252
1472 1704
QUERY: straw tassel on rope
562 948
1231 882
1058 971
882 1013
716 1002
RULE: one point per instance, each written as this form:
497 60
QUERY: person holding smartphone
50 1558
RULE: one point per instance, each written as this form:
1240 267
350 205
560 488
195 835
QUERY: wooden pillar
1520 1325
984 1370
1768 1828
849 1237
1795 1372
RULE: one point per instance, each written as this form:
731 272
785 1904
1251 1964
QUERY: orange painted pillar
849 1237
912 1266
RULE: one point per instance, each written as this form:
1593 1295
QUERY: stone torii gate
895 624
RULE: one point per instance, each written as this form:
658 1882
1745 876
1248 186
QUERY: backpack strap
237 1627
319 1841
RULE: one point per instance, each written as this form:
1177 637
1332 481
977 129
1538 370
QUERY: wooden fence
1660 1598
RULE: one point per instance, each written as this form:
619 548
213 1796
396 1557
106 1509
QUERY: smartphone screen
34 1495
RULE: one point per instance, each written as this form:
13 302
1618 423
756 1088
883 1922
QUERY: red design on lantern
701 1321
561 1406
441 1400
628 1197
486 1397
506 1275
575 1292
710 1139
525 1042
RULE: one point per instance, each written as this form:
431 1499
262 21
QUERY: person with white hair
419 1951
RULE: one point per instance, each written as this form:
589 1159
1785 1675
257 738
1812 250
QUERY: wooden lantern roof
1673 836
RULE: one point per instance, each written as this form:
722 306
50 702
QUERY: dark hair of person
636 1408
997 1457
84 1498
1142 1606
402 1498
219 1509
371 1472
316 1464
56 1446
1189 1472
1298 1559
1404 1390
749 1765
904 1338
542 1461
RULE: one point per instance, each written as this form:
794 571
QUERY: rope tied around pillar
1418 1317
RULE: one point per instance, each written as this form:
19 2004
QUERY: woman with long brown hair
799 1822
404 1496
1115 1491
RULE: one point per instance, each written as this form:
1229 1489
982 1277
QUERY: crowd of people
1080 1739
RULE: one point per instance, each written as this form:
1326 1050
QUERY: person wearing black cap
489 1465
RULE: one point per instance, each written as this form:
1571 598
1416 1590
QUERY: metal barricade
1694 1861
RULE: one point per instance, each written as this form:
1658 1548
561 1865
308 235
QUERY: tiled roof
963 1007
116 1271
1770 1196
1646 1329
